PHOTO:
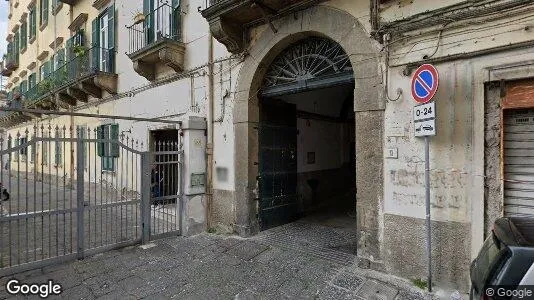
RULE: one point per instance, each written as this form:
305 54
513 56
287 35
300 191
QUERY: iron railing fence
162 23
86 62
55 206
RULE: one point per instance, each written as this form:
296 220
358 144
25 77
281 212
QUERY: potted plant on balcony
139 17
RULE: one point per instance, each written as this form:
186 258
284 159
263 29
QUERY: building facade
307 105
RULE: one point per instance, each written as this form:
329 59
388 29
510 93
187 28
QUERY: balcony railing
162 23
12 60
85 63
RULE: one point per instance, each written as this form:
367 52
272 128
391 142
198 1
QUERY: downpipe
209 144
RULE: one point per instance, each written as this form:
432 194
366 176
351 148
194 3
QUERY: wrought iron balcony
12 61
4 71
89 73
156 38
229 19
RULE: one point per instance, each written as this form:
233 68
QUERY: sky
3 26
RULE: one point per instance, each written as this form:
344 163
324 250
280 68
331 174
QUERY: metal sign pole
427 198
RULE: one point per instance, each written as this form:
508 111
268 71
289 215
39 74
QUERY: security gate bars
78 191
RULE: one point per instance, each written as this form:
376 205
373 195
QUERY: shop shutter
519 163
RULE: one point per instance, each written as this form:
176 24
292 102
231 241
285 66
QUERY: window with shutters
17 43
44 7
23 36
103 41
32 80
107 150
23 87
33 23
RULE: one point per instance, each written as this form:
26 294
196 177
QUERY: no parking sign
425 82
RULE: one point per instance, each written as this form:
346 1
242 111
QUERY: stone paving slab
212 267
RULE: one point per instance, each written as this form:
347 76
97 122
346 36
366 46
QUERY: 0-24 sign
424 112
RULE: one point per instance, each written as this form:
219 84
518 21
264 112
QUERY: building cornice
99 4
78 21
42 55
56 43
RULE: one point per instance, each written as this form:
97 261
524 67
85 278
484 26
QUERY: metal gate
74 192
278 164
519 163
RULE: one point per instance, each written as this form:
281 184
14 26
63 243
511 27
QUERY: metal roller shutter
519 163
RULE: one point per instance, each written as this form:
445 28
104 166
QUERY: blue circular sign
425 83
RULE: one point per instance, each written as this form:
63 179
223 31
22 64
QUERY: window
23 36
59 59
43 12
44 70
58 157
103 41
32 80
33 23
23 151
17 43
106 150
23 87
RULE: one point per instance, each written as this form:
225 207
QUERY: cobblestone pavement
211 266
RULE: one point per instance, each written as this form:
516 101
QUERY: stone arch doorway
345 30
306 138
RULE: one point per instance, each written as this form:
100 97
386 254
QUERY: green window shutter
148 9
95 43
23 35
24 86
100 136
17 42
33 22
176 21
111 40
61 57
69 46
111 27
47 69
114 131
31 81
44 11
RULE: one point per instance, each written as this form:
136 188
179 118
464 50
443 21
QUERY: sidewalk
211 266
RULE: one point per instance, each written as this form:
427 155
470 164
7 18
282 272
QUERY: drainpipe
209 146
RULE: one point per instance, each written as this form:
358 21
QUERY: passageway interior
307 158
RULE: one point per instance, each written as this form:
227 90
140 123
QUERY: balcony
4 71
156 40
230 19
11 62
89 73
